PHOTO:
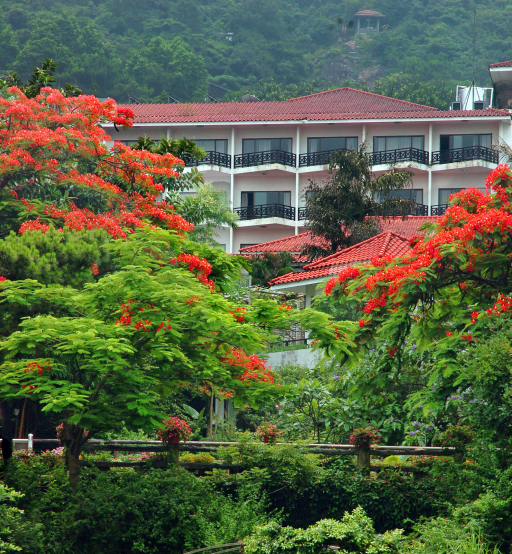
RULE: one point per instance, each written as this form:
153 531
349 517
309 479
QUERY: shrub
354 533
174 427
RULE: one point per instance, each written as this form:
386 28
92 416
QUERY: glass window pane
351 143
286 145
333 143
486 141
314 145
208 145
285 198
418 142
260 198
248 146
379 144
221 145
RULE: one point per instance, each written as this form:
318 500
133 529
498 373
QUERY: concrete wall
305 357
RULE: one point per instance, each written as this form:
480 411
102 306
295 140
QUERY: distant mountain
152 49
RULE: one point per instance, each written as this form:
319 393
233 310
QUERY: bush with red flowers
268 430
174 427
365 437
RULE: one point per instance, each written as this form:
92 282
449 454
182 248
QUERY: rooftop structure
383 244
501 75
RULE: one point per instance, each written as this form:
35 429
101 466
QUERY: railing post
363 457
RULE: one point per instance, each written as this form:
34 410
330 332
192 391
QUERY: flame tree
106 305
449 299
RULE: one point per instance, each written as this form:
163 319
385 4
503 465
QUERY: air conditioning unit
455 106
478 105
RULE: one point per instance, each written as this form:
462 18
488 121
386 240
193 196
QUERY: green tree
338 209
435 92
268 266
167 67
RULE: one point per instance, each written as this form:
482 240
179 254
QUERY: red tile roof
295 244
369 12
339 104
384 244
501 64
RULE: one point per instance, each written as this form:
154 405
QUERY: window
250 199
453 142
385 144
130 142
444 194
250 146
213 145
409 194
326 144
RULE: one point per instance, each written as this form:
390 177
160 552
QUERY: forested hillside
273 48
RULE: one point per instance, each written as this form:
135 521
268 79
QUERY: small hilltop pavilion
367 22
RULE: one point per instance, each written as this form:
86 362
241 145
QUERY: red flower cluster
254 367
34 366
238 314
199 266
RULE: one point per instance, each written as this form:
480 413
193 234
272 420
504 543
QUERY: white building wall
283 178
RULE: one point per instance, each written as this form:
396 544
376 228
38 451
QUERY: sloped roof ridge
363 92
507 63
246 249
387 234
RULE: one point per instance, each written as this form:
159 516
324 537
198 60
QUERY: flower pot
265 439
175 439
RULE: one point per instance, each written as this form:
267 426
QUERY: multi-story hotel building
262 154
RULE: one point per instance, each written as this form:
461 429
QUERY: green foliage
131 512
208 209
268 266
354 533
54 257
17 534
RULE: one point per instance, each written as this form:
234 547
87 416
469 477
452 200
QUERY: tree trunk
74 469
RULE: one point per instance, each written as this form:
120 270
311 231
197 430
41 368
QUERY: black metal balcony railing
263 211
302 213
213 158
466 154
417 209
267 157
400 155
440 209
318 158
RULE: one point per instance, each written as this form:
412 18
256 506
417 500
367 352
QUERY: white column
430 138
297 154
364 134
232 186
168 133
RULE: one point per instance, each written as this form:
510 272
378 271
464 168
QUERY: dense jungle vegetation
278 48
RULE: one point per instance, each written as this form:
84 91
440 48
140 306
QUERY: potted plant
268 432
364 438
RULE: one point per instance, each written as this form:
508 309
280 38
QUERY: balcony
263 211
264 158
302 213
212 158
465 155
318 158
440 209
401 155
417 209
